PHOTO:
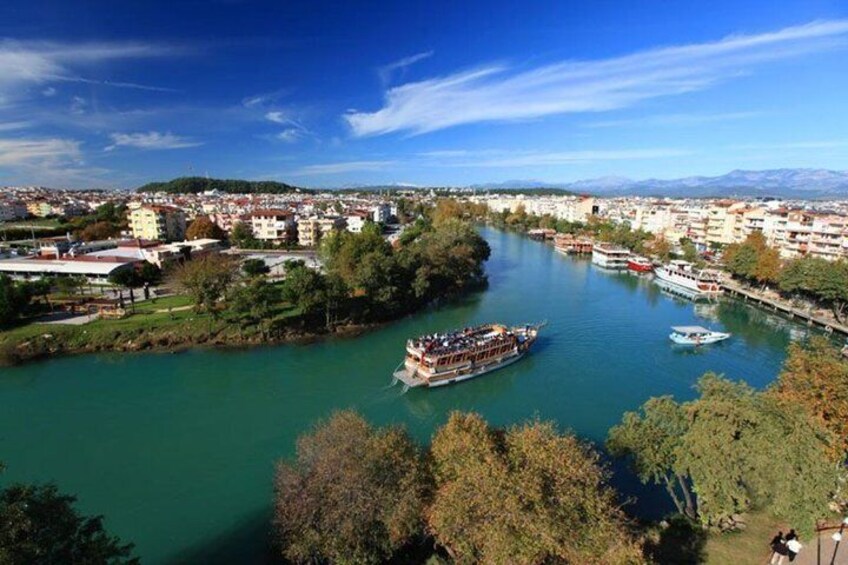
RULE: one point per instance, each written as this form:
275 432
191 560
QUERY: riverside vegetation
365 280
529 494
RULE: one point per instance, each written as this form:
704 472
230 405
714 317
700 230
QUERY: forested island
194 185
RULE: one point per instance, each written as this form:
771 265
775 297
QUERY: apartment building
165 223
273 225
11 210
311 230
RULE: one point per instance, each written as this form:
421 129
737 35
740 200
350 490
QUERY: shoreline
47 347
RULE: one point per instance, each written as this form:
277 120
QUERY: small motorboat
640 264
695 335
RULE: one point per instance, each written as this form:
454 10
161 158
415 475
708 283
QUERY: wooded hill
194 185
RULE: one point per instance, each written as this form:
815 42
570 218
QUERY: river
178 451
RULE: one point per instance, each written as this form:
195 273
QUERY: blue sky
115 94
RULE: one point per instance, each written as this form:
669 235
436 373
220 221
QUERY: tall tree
523 495
14 299
652 440
815 377
204 228
354 494
38 524
206 279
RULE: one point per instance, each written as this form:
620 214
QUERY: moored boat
695 335
684 274
640 264
609 256
447 358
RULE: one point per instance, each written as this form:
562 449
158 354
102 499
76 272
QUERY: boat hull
639 267
705 340
664 274
414 380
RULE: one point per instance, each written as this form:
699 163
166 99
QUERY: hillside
194 185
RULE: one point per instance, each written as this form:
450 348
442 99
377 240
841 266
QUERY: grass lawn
175 301
747 547
148 324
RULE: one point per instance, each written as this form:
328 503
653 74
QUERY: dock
748 295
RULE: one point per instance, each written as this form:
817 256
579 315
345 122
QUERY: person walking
793 546
778 549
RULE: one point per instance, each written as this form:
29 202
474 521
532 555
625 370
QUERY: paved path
63 318
830 553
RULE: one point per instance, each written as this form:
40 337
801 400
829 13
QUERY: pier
749 295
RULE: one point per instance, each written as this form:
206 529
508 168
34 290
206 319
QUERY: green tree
255 267
354 494
652 440
253 303
206 279
40 525
70 285
242 236
523 495
14 299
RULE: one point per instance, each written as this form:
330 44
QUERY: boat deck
409 380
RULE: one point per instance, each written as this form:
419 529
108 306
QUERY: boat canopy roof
689 330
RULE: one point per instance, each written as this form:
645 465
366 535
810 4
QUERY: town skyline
116 98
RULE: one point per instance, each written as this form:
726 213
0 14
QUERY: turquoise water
178 451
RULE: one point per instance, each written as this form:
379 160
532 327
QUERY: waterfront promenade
811 317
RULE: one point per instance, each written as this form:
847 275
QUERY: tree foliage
15 298
523 495
100 230
242 236
354 494
815 377
737 449
204 228
38 524
194 185
255 267
206 279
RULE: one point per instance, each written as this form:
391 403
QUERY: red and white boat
640 264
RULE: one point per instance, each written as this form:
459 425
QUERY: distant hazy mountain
784 183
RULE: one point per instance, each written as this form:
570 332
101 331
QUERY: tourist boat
684 274
610 257
695 335
447 358
640 264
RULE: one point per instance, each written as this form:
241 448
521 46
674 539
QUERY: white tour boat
684 274
609 256
695 335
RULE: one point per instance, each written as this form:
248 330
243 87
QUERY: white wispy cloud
674 120
9 126
40 62
151 140
290 135
343 167
22 152
385 72
502 93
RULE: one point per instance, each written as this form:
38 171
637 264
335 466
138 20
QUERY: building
311 230
356 220
164 223
11 210
273 225
95 270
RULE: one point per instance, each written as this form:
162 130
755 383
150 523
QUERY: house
273 225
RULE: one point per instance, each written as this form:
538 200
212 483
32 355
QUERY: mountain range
777 183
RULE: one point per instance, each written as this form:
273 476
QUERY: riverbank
155 329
